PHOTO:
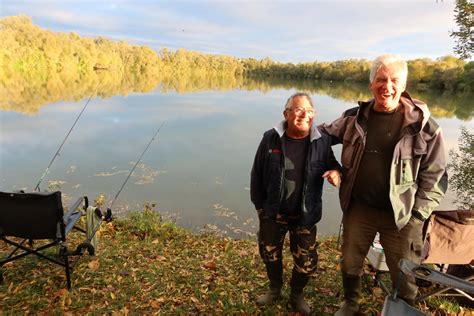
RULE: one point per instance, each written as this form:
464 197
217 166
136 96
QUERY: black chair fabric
31 215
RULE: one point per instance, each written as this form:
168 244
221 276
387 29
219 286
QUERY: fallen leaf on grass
211 265
327 291
328 310
94 265
155 304
161 258
377 292
60 293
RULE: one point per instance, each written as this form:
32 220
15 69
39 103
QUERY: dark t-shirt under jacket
372 183
295 151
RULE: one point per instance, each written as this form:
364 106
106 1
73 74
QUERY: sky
285 31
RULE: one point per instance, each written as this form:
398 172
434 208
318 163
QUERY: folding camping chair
29 218
448 240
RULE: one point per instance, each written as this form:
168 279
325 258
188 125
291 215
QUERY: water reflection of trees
28 95
441 104
351 92
457 105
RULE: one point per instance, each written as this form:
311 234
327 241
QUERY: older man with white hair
394 175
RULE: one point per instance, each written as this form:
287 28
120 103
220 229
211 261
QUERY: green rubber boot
272 295
297 302
275 276
350 306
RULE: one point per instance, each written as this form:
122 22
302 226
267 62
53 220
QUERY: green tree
447 73
462 168
465 35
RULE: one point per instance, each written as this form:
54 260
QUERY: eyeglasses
300 111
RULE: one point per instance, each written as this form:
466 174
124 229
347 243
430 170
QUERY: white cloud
283 30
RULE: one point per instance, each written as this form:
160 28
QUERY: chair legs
64 254
63 259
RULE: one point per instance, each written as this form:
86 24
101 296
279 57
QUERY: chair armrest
73 215
422 272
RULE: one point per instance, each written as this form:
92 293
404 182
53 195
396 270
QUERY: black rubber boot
297 302
350 306
275 276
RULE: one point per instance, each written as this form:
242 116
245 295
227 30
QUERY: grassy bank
144 265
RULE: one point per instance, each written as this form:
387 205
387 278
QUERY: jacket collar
313 133
415 113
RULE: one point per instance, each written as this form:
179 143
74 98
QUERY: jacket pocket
410 159
408 170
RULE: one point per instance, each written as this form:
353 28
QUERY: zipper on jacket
303 194
282 175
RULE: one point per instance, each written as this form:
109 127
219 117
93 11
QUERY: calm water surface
198 168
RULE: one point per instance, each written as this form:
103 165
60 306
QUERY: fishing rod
133 169
37 188
95 215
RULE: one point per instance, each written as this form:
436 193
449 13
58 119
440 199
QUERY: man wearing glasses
287 178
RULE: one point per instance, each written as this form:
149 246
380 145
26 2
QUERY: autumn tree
462 168
464 17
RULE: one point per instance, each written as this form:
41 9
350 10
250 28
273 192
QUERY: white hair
289 102
389 60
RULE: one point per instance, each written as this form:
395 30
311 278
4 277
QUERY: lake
197 171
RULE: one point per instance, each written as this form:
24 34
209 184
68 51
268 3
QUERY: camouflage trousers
303 244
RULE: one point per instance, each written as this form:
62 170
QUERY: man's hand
334 177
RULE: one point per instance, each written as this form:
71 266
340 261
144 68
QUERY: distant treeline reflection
29 96
38 67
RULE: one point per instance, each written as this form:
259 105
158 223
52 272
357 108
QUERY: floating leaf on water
109 174
71 169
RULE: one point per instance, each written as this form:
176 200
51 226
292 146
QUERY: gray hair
289 102
389 60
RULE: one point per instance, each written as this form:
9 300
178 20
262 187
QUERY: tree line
30 50
445 73
27 52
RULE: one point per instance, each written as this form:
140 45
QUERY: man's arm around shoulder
337 128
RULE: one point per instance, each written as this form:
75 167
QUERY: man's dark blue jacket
267 176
